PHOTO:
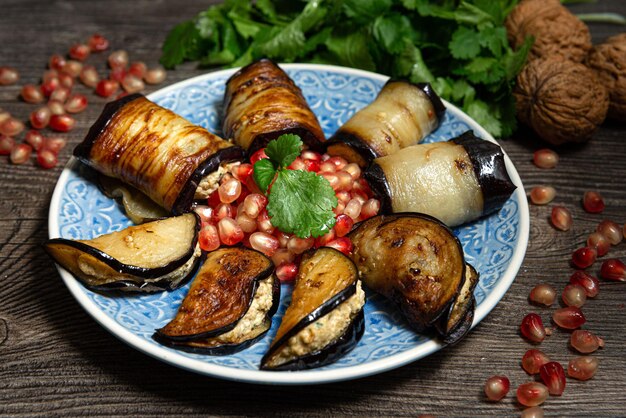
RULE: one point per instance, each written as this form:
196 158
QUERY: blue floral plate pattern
495 245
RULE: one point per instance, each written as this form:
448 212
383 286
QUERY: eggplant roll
261 103
457 324
325 318
402 114
456 181
153 256
156 151
138 207
229 305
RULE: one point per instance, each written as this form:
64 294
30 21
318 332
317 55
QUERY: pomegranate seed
155 75
89 76
584 257
370 208
343 196
338 162
107 88
8 76
532 328
311 155
246 223
593 202
55 144
327 167
47 159
299 245
353 209
230 233
542 195
312 165
66 81
56 62
532 393
118 59
205 213
258 155
286 272
297 164
40 118
79 52
343 225
209 238
344 180
50 85
35 139
31 94
242 172
98 43
545 158
263 222
353 169
582 368
56 107
574 295
6 144
338 210
264 242
332 179
599 242
532 412
588 282
542 294
76 103
585 341
62 123
138 69
533 359
229 190
11 127
553 377
60 94
73 68
561 218
253 204
20 153
611 231
223 210
214 199
325 239
342 244
496 387
613 269
117 74
4 116
132 83
49 75
282 255
569 317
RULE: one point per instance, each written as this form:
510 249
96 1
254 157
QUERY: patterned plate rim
309 376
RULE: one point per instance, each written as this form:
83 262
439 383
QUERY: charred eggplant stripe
247 67
490 169
375 177
269 83
311 141
434 98
185 198
354 142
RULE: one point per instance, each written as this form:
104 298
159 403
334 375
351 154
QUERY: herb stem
614 18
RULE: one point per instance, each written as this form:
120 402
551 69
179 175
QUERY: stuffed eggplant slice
456 181
229 305
418 263
261 103
156 151
153 256
325 318
402 114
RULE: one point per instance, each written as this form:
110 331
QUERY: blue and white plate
495 246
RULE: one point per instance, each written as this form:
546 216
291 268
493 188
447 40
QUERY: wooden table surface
56 360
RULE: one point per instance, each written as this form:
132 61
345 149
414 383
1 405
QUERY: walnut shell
555 29
561 100
608 60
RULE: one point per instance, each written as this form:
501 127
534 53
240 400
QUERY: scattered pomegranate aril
532 393
73 68
574 295
253 204
584 257
230 233
599 242
20 153
611 231
4 115
593 202
98 43
585 341
561 218
11 127
57 62
342 244
582 368
49 75
569 317
299 245
56 107
496 387
62 123
47 159
264 242
89 76
533 359
545 158
66 80
60 94
132 84
40 117
343 225
31 94
286 272
553 377
138 69
613 269
588 282
118 59
8 76
55 144
542 294
50 85
35 139
532 412
6 144
155 75
79 52
532 328
106 88
117 74
208 238
76 103
542 195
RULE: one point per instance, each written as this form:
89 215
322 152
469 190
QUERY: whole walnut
555 29
608 60
561 100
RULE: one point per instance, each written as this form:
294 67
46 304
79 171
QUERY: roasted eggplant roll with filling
456 181
402 114
153 256
417 262
158 152
229 305
325 318
261 103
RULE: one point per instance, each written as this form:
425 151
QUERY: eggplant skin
154 150
261 103
453 327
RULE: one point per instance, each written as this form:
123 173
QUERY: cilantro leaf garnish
264 172
284 149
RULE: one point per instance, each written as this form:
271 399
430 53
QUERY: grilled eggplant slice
412 259
153 256
156 151
261 103
456 181
229 305
138 207
325 318
402 114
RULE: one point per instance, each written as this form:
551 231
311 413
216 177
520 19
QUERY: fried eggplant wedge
325 318
402 115
229 305
158 255
156 151
456 181
261 103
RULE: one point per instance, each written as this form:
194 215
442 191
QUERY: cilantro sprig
299 202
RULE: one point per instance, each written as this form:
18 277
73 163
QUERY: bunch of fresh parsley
460 47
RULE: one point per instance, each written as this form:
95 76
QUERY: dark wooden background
56 360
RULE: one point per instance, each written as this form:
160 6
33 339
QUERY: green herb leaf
301 202
283 150
263 173
181 44
465 43
351 49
